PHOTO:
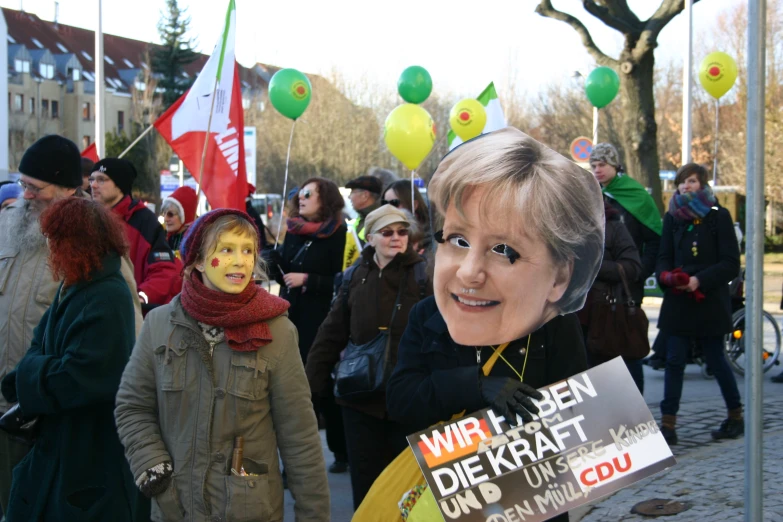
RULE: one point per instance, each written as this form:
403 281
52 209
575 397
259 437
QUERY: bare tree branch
614 14
546 10
653 27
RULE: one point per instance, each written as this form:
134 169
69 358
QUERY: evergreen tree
175 53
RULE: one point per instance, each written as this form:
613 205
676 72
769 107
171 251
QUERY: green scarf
633 197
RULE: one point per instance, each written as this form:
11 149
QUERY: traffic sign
581 148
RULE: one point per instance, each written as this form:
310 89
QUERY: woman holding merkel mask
520 244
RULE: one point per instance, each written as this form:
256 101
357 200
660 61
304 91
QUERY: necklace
695 246
498 353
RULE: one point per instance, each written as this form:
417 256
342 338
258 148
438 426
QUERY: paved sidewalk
708 476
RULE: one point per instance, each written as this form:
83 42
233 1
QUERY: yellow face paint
229 268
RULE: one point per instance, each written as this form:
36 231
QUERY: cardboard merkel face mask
229 268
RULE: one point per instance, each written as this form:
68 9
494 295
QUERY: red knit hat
185 200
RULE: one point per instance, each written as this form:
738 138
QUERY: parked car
270 208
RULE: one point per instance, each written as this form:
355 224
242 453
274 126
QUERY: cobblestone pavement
708 476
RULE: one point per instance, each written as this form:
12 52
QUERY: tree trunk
639 127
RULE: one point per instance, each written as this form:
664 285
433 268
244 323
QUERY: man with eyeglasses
50 171
155 267
365 195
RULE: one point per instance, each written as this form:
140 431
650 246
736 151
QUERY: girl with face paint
221 361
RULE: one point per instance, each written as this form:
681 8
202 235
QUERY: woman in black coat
516 218
68 379
305 266
310 257
389 273
619 250
699 256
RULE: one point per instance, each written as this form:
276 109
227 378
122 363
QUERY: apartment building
51 81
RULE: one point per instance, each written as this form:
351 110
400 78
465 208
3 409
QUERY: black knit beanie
53 159
121 171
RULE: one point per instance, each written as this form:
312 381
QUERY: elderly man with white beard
50 170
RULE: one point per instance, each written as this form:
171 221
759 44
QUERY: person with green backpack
639 214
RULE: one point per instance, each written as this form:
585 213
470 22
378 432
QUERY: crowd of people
147 374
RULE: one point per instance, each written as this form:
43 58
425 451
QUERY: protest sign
593 435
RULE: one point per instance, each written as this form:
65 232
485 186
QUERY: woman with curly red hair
69 377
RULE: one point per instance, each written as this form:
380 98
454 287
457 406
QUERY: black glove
509 397
273 257
155 480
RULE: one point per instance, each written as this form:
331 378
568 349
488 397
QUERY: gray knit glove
155 480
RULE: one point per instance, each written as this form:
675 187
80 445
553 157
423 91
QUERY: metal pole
37 109
146 131
715 152
595 126
687 83
100 133
181 173
754 247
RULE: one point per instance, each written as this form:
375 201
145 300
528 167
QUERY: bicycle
734 343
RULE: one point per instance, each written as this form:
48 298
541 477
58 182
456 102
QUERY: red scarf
242 316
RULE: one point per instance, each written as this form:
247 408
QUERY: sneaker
669 435
340 465
729 429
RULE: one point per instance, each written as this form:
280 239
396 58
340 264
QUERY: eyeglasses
305 194
100 181
170 214
32 189
501 249
392 202
402 232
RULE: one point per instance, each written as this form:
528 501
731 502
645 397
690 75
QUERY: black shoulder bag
365 369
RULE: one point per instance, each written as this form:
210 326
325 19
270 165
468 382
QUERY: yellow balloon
425 509
409 133
717 73
467 118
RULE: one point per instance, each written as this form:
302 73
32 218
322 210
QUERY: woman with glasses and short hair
377 296
179 212
398 194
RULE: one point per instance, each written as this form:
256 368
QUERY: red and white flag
186 125
91 153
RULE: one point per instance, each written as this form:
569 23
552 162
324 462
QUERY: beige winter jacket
177 403
27 289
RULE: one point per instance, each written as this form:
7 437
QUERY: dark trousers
373 444
677 351
335 432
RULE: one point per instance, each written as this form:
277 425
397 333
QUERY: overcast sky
463 43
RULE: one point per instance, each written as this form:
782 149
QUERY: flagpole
100 133
137 140
206 140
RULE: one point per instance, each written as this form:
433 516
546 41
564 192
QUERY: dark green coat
76 471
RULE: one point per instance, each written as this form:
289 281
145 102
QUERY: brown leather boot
667 429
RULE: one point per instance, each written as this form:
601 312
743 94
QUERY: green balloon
602 86
289 92
415 84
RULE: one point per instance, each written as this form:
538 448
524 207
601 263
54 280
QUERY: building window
85 142
19 102
32 105
22 66
55 109
76 75
120 121
45 108
86 111
46 71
